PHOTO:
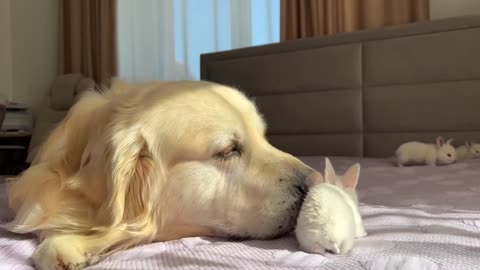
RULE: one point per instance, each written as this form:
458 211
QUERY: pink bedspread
416 218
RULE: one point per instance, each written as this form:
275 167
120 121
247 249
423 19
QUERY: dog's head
191 158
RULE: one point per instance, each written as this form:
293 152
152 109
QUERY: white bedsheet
416 218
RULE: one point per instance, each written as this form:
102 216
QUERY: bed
353 97
415 217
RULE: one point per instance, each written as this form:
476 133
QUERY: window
163 39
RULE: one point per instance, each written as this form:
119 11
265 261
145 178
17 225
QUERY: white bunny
329 218
421 153
468 150
348 182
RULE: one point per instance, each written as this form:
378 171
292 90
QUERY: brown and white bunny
418 153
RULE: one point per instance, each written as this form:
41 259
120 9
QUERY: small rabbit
417 153
348 182
327 220
468 150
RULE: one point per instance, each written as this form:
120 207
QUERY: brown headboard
362 93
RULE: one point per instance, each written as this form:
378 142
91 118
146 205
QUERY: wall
28 31
440 9
5 51
33 47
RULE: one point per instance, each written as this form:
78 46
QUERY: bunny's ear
440 141
449 141
350 178
467 144
330 175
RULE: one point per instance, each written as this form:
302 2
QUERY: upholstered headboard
362 93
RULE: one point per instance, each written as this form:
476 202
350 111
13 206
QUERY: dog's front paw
60 253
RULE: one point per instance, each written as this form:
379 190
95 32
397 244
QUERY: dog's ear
132 184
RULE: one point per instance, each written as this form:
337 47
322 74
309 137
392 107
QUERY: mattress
416 218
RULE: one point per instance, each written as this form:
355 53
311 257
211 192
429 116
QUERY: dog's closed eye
233 150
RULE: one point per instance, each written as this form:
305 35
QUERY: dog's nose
302 189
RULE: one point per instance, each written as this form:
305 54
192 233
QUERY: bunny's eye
449 155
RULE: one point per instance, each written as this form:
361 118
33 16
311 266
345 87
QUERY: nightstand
13 151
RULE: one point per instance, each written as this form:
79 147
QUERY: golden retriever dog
155 161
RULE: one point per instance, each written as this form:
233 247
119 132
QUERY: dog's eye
229 152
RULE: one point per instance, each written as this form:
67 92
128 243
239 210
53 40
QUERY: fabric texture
87 39
416 218
307 18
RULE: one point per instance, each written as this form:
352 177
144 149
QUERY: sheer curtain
163 39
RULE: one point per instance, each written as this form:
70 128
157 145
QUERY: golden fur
152 162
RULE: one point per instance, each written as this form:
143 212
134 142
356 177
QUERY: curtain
87 38
306 18
163 39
